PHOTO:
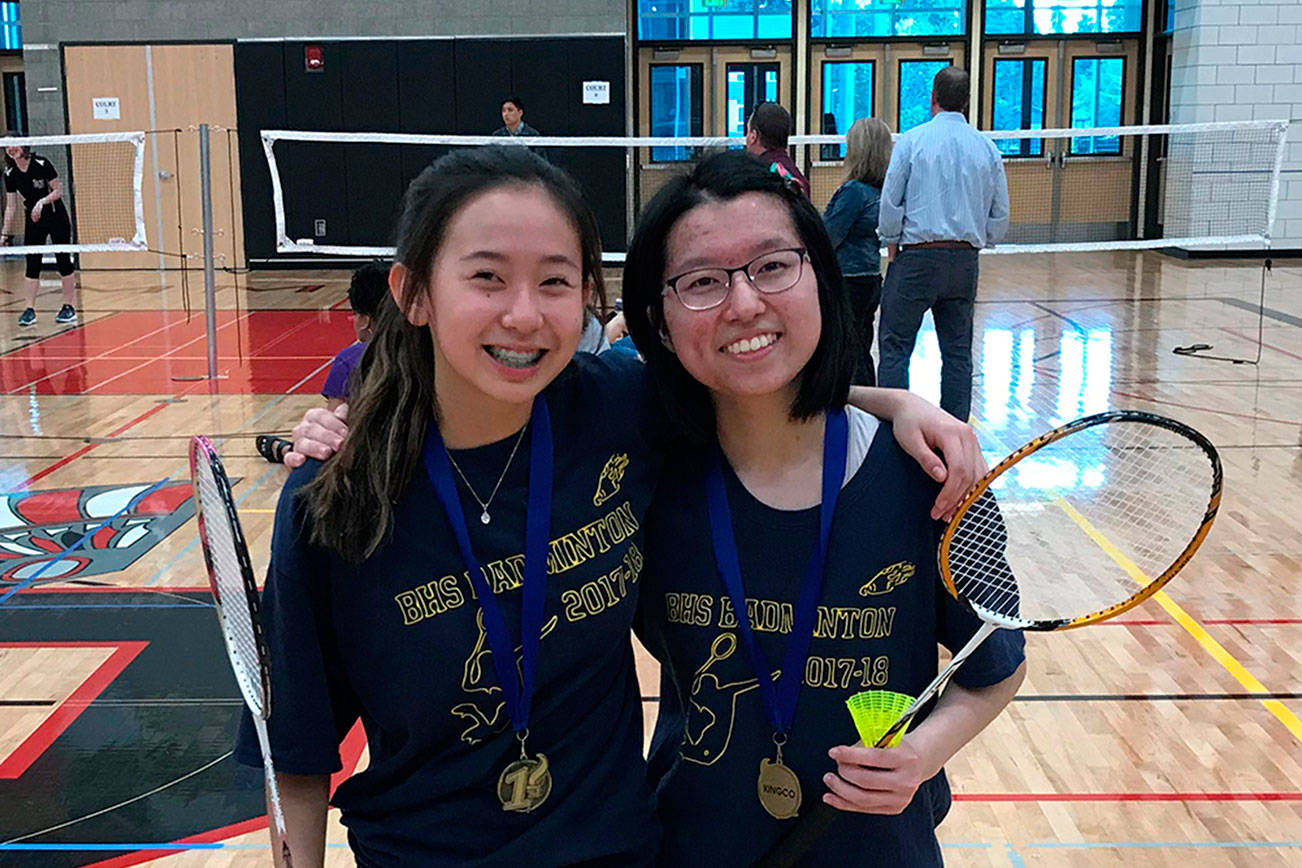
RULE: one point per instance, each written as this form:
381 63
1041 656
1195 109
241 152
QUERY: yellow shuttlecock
874 711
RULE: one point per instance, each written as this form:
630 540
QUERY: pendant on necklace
485 518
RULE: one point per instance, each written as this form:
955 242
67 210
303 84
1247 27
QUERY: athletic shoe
28 318
66 314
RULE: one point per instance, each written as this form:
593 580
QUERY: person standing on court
513 122
767 131
851 222
513 119
945 197
33 188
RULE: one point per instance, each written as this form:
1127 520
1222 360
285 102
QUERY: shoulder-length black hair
351 500
825 380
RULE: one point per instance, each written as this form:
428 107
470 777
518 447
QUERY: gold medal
779 790
525 784
778 787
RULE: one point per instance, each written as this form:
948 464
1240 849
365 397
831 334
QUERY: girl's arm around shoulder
946 448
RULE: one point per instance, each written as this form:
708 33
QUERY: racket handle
792 846
273 790
981 635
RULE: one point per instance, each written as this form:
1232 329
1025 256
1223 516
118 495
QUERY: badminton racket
1078 526
236 597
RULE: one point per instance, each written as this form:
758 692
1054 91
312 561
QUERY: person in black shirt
32 179
734 297
513 125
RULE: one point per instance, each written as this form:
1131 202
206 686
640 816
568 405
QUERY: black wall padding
414 86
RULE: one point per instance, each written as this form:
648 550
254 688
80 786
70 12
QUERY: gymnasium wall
46 23
1235 61
450 86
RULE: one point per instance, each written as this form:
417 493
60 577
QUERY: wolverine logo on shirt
611 476
888 579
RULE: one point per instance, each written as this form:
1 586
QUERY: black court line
1270 312
26 703
1053 313
1152 697
1133 697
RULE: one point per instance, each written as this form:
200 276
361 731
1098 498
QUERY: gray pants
943 281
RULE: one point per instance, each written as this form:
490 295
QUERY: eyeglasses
771 273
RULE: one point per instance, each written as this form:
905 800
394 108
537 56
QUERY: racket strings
1081 524
228 579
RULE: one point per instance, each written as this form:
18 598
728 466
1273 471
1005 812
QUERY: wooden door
168 90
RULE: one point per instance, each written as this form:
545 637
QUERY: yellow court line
257 511
1185 620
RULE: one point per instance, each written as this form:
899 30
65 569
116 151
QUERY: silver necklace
484 517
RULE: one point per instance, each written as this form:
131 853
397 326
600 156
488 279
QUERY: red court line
68 459
87 448
118 589
1253 339
1254 417
1249 622
167 355
14 765
1128 797
350 752
95 357
210 837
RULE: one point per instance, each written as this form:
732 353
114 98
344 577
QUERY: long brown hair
351 500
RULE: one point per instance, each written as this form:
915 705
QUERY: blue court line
216 845
194 542
79 543
117 847
1014 858
195 605
1141 845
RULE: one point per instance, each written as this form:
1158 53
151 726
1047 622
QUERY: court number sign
105 108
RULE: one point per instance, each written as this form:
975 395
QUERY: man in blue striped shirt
944 198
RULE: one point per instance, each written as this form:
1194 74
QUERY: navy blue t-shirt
398 642
881 615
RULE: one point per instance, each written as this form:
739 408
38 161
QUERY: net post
209 277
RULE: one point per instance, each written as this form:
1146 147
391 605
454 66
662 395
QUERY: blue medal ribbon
517 686
780 698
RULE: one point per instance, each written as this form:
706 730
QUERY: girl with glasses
791 561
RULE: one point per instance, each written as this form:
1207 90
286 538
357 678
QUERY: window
1096 101
1019 104
15 102
847 96
1048 17
675 107
831 18
11 28
749 84
1169 19
915 91
677 20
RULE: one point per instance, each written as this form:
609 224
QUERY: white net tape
1080 189
101 176
1083 523
236 617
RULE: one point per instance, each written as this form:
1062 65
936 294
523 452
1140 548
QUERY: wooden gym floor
1169 737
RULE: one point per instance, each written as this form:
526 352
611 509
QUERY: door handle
164 176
